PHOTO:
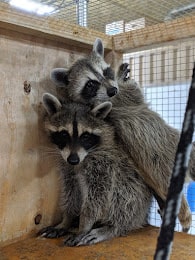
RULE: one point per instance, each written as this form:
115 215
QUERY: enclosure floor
138 245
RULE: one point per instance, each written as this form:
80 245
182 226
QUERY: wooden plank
50 28
28 178
138 245
157 34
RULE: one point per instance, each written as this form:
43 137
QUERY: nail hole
38 219
27 87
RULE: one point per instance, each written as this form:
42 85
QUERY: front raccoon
89 80
147 138
99 183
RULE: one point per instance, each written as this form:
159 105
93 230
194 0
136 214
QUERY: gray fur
145 136
71 82
149 140
104 190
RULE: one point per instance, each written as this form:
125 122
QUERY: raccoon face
73 128
90 80
74 147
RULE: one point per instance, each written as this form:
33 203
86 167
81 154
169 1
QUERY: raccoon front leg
123 71
74 239
123 77
94 236
93 210
87 220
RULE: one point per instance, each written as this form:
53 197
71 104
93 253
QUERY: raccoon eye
92 84
90 89
88 140
60 138
108 73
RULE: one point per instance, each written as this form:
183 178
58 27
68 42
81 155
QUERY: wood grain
156 34
28 179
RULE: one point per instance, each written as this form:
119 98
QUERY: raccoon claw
88 239
52 232
123 72
84 239
73 239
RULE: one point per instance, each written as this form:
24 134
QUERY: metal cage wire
165 74
115 16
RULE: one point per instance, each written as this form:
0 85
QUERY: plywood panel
28 181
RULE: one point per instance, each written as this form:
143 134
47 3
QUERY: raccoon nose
73 159
112 91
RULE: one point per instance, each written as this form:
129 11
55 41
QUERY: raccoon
99 183
90 80
149 140
146 137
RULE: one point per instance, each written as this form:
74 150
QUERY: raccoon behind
147 139
99 182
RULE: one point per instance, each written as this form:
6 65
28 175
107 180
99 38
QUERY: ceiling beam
50 28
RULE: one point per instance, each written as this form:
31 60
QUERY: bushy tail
191 172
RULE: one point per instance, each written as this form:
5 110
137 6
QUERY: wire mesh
165 75
114 16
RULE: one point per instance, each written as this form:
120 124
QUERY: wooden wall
28 180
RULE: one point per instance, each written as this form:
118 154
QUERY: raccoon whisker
47 152
50 152
54 153
51 160
49 149
52 157
92 149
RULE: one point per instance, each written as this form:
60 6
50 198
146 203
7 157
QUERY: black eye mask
90 89
87 140
61 139
108 73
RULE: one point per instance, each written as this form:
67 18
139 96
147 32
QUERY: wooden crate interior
156 38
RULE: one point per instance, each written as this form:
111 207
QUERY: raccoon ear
98 47
102 110
51 103
59 76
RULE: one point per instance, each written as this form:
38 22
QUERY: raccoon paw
123 72
52 232
91 238
73 239
84 239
